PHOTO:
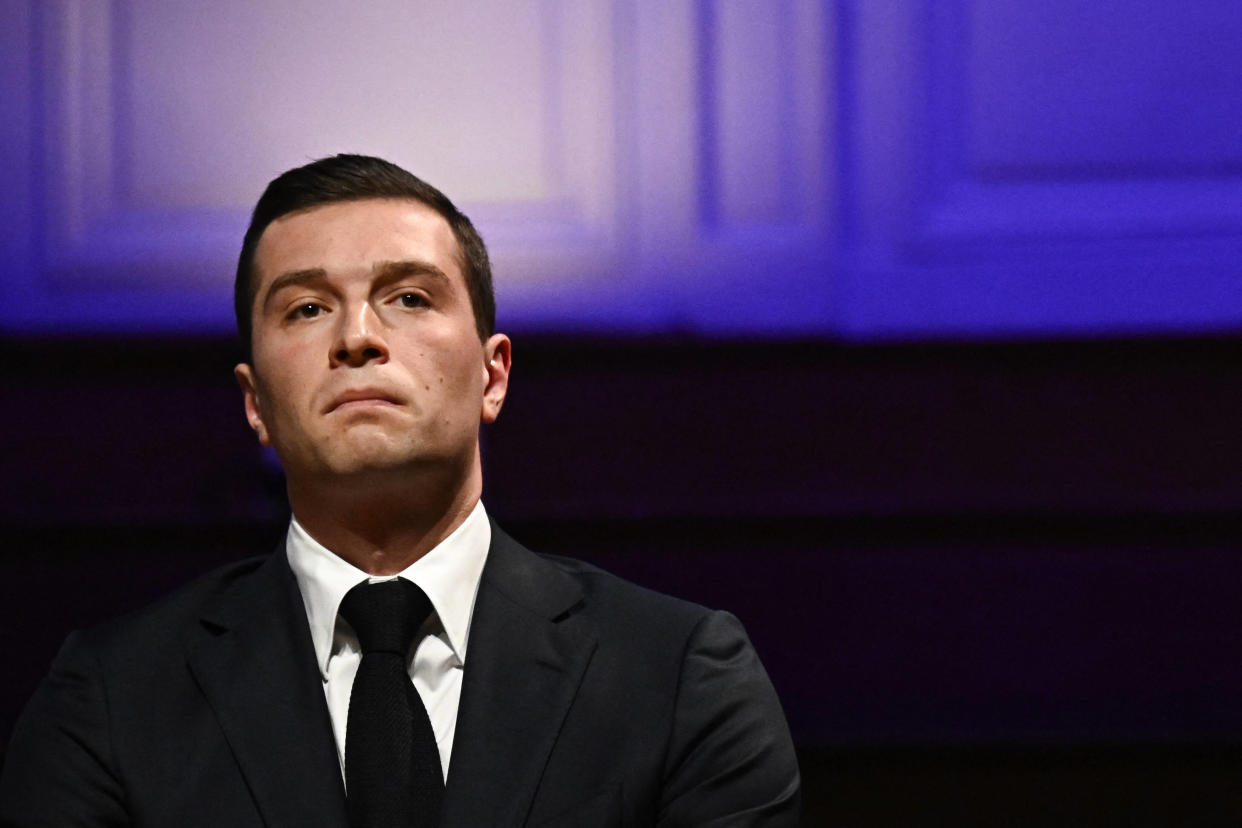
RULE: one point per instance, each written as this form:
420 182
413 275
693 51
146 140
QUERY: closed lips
360 395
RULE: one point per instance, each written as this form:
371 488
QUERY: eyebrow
388 272
294 278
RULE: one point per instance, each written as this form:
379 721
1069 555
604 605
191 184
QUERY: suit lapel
523 668
256 666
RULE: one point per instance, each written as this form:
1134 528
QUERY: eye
309 310
412 300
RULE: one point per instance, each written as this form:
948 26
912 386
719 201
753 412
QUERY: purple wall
895 170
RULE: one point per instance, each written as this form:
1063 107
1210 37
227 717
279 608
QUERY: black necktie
392 766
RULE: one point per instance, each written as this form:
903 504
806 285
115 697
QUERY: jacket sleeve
731 761
58 766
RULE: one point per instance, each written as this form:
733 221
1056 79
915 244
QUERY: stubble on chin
363 449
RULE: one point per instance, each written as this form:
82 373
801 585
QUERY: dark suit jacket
586 701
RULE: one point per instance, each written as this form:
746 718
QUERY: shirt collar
449 574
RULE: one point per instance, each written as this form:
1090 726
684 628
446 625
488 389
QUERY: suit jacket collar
256 665
527 657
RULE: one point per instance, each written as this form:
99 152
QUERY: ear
250 396
497 359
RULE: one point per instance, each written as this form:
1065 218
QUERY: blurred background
907 330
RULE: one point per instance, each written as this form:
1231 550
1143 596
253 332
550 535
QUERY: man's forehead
356 236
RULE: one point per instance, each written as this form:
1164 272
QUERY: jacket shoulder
169 617
615 603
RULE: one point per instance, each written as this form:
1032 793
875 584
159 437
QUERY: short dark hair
342 178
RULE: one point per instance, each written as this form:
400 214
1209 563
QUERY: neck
382 529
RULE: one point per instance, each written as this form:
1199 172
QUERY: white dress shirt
449 574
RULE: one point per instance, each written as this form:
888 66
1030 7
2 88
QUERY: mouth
355 398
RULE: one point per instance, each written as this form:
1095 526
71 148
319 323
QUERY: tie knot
386 615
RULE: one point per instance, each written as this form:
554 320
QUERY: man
508 689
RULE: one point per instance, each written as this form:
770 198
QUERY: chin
364 452
361 461
369 463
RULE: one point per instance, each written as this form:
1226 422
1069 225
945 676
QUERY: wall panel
866 170
1066 169
734 116
162 120
631 164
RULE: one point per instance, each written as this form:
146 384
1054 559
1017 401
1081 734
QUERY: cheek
284 387
288 366
455 361
467 376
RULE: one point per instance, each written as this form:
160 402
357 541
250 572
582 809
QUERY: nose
360 338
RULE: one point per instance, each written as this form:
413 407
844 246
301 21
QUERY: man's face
366 357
